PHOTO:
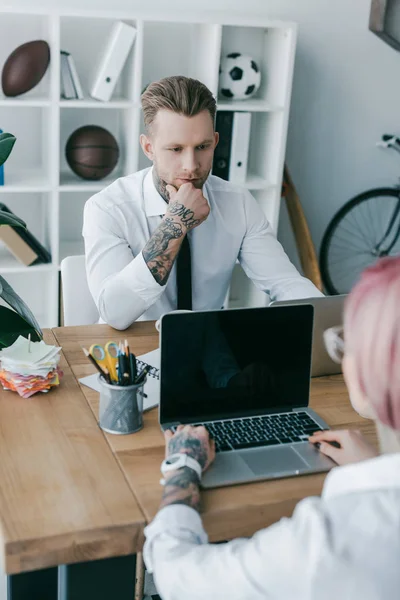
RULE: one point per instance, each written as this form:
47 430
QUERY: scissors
106 357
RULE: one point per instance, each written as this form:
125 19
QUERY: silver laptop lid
328 312
234 363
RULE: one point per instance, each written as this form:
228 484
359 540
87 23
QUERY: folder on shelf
22 243
75 77
112 61
222 153
67 85
240 147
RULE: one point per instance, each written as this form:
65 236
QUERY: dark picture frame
382 21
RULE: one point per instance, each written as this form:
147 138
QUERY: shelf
72 183
25 102
255 105
9 264
92 103
86 41
71 248
40 186
26 181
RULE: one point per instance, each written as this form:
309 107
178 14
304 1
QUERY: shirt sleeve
122 286
277 562
266 263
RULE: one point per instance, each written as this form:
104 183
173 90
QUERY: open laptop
328 312
245 375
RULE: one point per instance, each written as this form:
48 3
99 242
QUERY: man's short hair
182 95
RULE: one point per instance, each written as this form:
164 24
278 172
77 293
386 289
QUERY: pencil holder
121 407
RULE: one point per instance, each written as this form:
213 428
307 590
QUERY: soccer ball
239 76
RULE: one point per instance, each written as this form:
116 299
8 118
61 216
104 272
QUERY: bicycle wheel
364 229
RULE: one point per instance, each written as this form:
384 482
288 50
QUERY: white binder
113 59
240 147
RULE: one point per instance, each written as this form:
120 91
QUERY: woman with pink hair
370 356
344 545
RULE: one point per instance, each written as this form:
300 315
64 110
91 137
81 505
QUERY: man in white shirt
135 228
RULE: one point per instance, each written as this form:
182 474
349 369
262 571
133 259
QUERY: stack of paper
28 367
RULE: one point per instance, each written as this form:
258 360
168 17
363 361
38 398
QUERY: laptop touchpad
272 461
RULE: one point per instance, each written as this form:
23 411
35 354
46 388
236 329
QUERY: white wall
346 94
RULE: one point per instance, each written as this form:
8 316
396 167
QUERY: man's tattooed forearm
185 214
159 241
189 445
155 252
182 488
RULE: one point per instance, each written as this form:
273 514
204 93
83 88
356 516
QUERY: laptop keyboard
267 430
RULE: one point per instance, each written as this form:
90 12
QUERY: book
151 387
67 85
17 246
240 142
112 61
22 243
222 153
75 78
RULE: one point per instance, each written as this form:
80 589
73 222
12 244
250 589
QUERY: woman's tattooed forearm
182 488
155 252
185 214
189 445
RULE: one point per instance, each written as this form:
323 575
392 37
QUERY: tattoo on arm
194 447
155 252
182 488
185 214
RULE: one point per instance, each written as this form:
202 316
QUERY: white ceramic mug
181 310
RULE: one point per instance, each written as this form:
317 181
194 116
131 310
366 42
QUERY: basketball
25 67
92 152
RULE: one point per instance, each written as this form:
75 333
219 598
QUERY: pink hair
372 336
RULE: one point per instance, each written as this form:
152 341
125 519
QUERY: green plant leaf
12 326
13 300
11 219
7 141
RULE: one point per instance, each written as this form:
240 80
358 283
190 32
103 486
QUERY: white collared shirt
119 220
342 546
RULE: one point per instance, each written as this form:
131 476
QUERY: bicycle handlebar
390 141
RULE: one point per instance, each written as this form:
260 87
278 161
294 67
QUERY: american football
25 67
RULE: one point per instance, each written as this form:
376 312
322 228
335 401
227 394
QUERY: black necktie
184 276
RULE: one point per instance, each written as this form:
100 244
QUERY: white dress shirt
119 220
342 546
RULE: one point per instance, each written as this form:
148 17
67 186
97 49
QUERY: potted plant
17 320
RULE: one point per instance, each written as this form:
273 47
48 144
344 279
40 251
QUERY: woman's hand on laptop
344 446
194 441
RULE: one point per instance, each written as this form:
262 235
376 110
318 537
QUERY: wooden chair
304 243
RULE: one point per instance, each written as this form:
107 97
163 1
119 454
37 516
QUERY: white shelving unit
40 187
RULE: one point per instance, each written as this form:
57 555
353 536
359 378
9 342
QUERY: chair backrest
78 305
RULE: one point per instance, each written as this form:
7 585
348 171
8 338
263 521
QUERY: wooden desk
63 497
227 512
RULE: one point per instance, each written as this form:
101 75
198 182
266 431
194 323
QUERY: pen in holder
121 407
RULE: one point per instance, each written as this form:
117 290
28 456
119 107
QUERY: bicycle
366 228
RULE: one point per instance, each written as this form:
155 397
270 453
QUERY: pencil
132 367
108 376
98 367
142 375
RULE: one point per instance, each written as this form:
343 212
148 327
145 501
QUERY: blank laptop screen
231 363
